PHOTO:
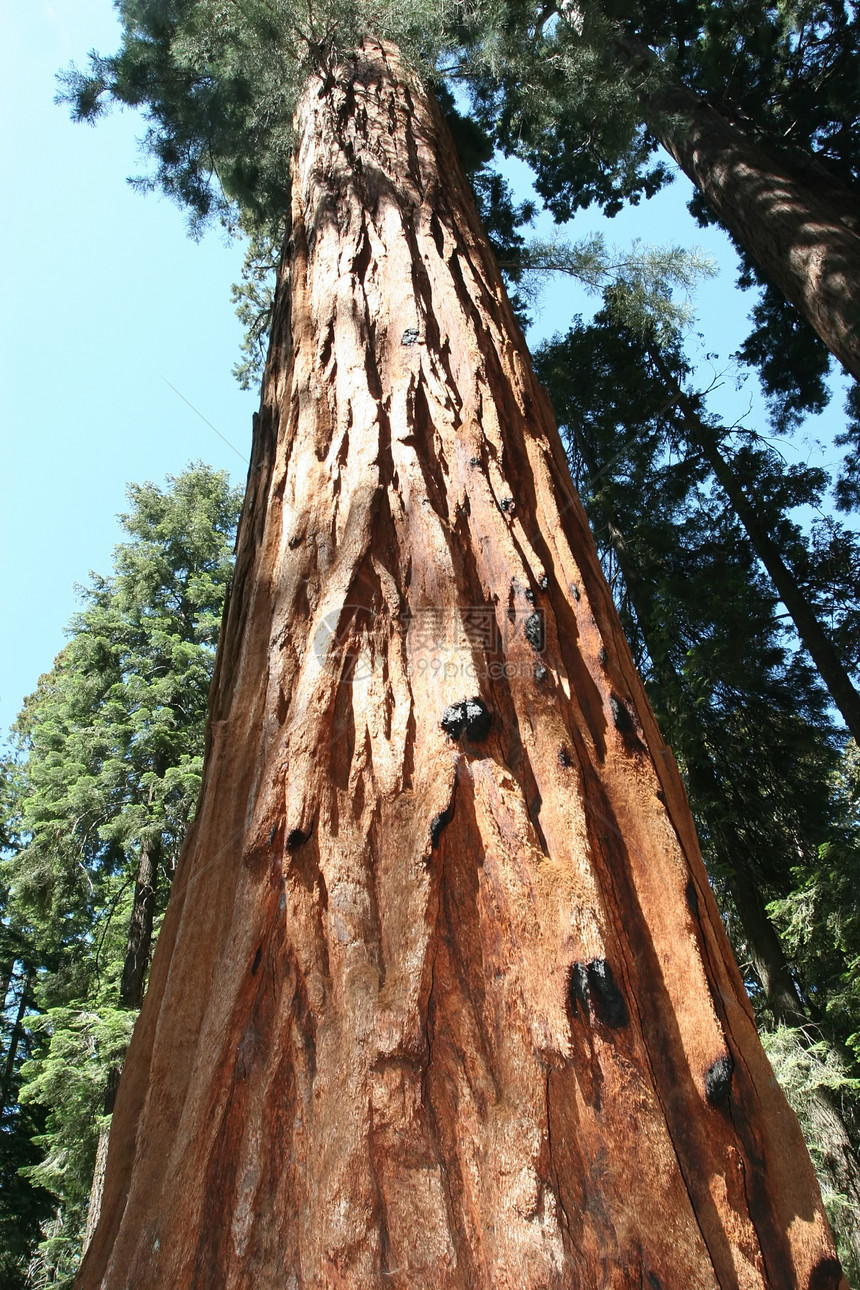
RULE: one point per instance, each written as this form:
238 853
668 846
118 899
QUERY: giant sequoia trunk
441 997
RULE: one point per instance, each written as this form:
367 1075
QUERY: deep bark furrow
421 1145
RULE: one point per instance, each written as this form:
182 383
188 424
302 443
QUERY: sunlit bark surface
435 1004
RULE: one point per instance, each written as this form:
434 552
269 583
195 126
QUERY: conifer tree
23 1206
111 745
440 937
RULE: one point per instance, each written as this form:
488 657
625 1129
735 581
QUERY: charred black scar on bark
593 993
624 723
438 825
535 631
471 717
718 1080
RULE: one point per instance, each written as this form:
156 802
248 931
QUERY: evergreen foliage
109 760
848 484
806 1070
819 918
23 1205
218 85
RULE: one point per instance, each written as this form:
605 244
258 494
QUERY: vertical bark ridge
429 1008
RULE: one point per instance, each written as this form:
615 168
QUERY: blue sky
107 299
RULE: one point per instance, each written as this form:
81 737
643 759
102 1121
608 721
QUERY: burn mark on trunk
625 724
718 1080
577 989
535 631
438 825
621 717
471 717
607 1000
592 990
454 720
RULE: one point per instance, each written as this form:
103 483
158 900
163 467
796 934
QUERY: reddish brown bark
94 1204
425 1010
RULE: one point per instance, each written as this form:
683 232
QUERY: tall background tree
758 106
109 760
